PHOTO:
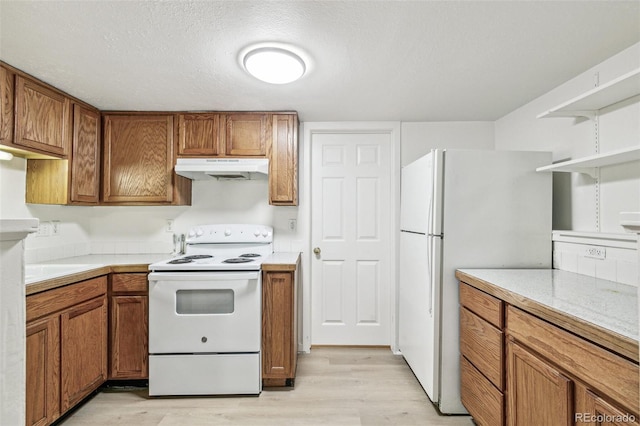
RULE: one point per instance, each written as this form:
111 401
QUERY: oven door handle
202 276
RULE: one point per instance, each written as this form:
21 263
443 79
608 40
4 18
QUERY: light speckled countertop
48 275
597 306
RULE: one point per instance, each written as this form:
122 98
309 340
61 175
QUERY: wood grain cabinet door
42 118
200 135
278 346
246 135
138 158
283 166
129 349
601 413
85 160
43 369
538 393
83 336
6 106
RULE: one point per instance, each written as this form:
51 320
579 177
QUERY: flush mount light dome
274 65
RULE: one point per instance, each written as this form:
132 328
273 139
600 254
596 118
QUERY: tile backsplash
613 257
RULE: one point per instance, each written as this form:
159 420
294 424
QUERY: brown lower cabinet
279 328
547 375
66 348
128 326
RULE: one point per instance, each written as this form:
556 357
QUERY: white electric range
205 313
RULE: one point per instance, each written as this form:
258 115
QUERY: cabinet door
42 118
83 331
43 368
138 158
200 135
278 341
538 394
246 135
600 413
85 160
6 106
283 173
129 325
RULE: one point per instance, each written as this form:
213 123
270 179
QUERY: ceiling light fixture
274 65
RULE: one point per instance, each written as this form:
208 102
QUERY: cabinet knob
317 250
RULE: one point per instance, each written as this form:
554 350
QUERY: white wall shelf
587 104
590 164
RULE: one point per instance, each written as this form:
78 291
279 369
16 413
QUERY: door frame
347 127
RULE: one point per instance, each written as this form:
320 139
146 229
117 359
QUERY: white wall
418 138
136 229
575 206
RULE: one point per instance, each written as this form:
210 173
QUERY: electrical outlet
169 226
292 224
55 227
595 252
44 229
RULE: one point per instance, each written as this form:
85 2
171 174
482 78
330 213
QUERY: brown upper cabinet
72 181
6 105
246 135
138 159
200 134
223 134
42 118
283 164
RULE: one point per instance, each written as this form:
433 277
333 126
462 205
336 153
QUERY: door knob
316 250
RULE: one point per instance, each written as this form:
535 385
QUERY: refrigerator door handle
429 272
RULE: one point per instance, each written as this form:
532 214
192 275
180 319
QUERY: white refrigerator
462 209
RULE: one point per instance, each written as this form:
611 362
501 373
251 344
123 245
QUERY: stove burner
198 256
250 255
237 260
179 261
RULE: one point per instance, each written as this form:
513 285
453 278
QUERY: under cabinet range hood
223 168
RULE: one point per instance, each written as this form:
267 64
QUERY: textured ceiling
383 60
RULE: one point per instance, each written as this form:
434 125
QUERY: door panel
351 225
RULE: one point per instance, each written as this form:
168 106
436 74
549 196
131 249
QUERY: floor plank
334 386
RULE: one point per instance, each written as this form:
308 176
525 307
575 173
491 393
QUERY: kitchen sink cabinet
283 173
128 326
73 181
138 161
546 374
42 117
279 327
66 347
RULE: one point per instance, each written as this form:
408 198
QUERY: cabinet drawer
483 345
47 302
612 374
129 283
483 401
485 306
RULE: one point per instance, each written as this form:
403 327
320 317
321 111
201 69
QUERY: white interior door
352 212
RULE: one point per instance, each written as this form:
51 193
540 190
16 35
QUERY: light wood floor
334 386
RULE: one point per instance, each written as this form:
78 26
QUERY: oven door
204 312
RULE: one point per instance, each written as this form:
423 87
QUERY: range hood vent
223 168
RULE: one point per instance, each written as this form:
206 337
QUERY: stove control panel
230 234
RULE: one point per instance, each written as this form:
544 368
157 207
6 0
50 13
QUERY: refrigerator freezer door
415 195
418 327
